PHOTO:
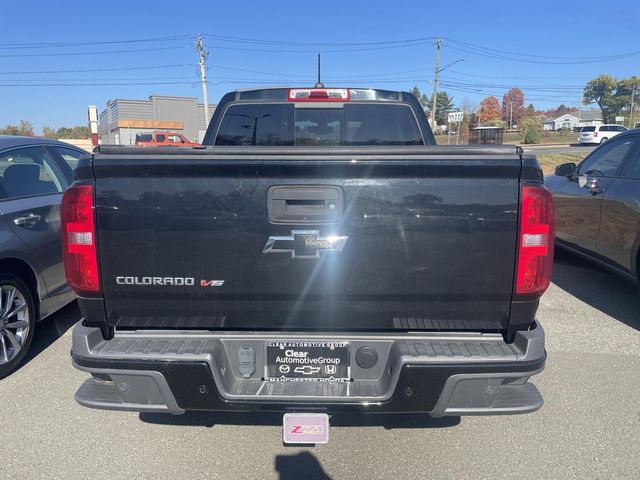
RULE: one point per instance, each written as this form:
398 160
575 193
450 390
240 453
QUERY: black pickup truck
318 254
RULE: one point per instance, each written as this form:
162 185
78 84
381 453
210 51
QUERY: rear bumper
436 373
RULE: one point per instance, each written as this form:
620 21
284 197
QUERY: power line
65 54
515 77
95 84
235 69
333 77
549 99
489 54
342 50
92 79
508 87
477 88
16 46
546 57
314 44
118 69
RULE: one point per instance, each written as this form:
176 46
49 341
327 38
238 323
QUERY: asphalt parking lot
588 428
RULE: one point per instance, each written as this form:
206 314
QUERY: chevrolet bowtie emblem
304 244
307 370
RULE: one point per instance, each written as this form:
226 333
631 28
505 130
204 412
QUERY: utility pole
435 83
633 92
203 76
510 115
579 110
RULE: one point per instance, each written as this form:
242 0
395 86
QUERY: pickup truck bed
398 278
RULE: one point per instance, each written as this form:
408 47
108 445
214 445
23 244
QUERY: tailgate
418 241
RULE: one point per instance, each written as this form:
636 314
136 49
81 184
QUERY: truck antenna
319 84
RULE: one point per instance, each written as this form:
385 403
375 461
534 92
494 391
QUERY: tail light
595 134
318 95
79 240
535 242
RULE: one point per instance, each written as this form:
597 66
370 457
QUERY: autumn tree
48 132
24 129
513 107
489 109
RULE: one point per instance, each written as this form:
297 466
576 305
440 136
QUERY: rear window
143 137
351 124
588 129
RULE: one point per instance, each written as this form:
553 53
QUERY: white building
587 118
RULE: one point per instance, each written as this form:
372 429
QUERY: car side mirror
565 170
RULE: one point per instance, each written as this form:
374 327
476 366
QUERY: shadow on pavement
51 329
301 465
597 287
210 419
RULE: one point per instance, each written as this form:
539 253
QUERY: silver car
34 172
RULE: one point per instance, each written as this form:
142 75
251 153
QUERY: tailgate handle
305 204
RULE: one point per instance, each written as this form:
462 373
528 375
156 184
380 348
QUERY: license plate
305 428
307 361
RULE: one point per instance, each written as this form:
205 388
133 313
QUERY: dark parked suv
598 205
34 172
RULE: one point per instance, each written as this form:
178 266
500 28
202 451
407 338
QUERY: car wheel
604 140
17 322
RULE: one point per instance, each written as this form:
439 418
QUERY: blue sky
551 37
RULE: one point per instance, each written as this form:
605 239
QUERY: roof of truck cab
398 94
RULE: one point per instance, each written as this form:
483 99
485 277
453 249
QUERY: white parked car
600 133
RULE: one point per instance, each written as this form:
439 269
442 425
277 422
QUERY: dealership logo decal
305 244
309 429
330 369
307 370
164 281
